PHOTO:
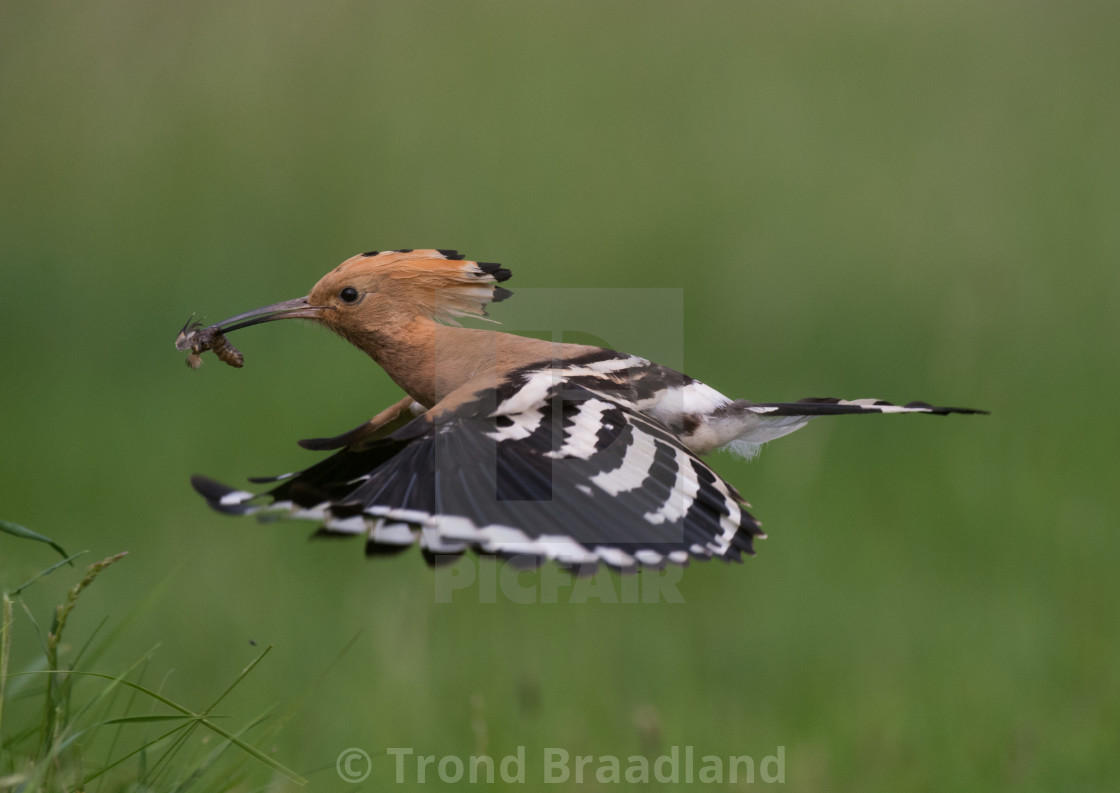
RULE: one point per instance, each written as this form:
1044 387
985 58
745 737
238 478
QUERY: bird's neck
406 353
429 360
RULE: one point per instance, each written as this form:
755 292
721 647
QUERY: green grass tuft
74 738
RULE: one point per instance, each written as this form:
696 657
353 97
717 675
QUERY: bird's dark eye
349 295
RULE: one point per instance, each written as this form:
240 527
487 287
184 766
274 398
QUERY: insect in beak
198 339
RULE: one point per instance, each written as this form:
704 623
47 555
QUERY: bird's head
387 289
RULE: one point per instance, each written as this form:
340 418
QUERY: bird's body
515 446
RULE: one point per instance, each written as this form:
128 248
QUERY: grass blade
210 725
5 654
238 679
141 719
131 754
22 531
68 560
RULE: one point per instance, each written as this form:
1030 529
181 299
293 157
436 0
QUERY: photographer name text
680 765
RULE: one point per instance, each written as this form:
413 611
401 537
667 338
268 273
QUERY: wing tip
222 498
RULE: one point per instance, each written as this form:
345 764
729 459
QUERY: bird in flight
511 446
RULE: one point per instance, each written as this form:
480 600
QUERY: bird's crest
442 284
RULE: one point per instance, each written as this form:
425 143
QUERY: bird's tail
766 421
830 406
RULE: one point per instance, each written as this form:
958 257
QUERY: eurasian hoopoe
513 446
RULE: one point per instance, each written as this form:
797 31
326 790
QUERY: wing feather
572 475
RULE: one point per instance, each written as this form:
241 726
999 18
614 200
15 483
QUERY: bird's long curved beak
298 308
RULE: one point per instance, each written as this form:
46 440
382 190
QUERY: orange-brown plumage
407 286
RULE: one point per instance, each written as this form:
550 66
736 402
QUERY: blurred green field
905 200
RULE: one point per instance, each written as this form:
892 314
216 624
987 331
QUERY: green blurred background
899 200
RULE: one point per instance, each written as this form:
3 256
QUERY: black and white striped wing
572 476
